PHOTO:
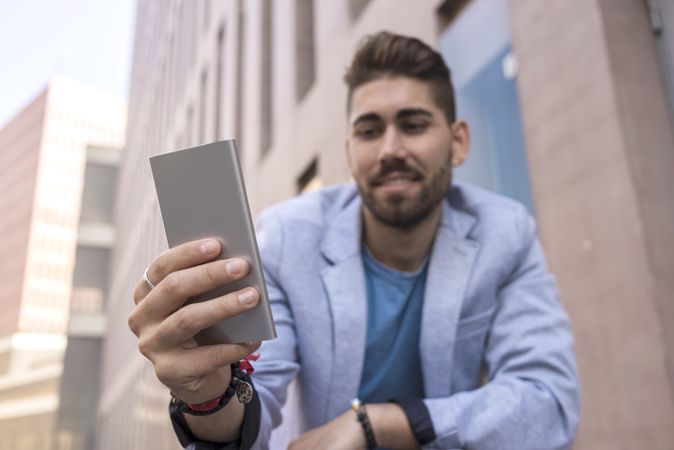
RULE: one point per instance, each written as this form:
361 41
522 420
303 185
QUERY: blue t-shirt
392 366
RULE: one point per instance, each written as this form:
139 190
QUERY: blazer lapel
450 266
451 263
344 283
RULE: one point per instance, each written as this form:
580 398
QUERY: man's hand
341 433
165 328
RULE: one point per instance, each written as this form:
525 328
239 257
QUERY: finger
176 288
140 291
200 361
177 258
172 292
190 319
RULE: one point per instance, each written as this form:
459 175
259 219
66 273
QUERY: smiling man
414 311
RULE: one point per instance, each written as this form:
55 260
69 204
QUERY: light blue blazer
496 345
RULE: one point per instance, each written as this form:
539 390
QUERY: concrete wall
600 146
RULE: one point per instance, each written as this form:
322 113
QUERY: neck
402 249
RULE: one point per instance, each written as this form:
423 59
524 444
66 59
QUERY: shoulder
303 220
497 216
479 201
312 208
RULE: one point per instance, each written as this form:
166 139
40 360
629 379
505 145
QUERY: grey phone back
201 194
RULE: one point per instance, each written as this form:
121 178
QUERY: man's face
401 149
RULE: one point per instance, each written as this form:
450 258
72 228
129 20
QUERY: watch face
244 392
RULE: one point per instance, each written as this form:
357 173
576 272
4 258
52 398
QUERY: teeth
397 181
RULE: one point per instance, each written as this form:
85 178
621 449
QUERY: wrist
239 386
390 426
366 426
209 388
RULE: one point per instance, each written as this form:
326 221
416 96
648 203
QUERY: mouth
397 182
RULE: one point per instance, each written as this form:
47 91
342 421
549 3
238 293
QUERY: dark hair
386 54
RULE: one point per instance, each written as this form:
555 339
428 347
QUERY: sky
86 40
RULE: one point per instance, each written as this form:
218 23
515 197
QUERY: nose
391 144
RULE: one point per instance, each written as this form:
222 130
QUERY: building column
601 153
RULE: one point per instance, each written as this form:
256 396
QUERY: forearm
391 427
222 426
508 413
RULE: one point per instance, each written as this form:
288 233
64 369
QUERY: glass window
662 16
309 179
483 72
91 268
98 196
305 64
356 7
266 106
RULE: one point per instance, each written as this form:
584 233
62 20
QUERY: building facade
75 422
43 157
569 101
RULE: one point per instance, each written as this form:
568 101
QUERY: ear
460 142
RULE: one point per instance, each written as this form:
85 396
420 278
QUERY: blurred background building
75 424
570 103
44 152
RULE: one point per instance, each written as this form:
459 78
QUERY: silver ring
147 281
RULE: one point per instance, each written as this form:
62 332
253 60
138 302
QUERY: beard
404 210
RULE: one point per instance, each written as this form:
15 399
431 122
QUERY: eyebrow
368 117
402 114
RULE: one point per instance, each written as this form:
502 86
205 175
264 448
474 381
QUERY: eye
414 126
367 131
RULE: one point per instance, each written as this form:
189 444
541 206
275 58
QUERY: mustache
395 165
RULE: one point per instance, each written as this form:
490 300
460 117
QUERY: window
98 195
220 57
91 268
304 47
448 10
308 179
483 73
238 127
266 106
662 19
189 125
203 102
356 7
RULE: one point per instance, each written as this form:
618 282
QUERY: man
428 301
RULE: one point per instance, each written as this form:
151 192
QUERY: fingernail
234 266
209 247
247 297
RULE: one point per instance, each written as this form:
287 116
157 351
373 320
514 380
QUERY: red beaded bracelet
239 385
205 406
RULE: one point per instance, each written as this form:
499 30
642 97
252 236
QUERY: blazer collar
342 239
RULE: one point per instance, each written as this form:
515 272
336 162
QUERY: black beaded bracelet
238 384
364 420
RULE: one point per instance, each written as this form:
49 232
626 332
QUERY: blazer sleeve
532 397
278 364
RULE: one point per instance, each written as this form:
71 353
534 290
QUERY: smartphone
202 194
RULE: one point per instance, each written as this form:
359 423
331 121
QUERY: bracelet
364 420
239 384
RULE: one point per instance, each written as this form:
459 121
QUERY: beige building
75 423
571 114
44 149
